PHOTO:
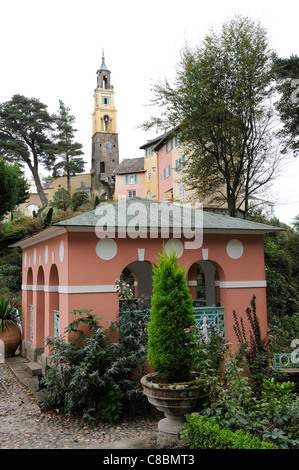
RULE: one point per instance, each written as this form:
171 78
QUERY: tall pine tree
26 136
69 151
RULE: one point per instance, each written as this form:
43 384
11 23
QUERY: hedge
203 433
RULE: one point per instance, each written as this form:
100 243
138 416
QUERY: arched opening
136 284
106 123
39 323
203 279
54 302
102 167
31 209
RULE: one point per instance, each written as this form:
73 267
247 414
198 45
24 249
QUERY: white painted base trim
233 284
113 288
239 284
72 289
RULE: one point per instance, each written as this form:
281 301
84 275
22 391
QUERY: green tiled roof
126 212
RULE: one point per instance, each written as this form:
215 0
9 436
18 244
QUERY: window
165 198
105 101
56 324
180 163
131 179
102 167
166 171
169 145
31 322
131 193
149 176
176 140
181 190
148 152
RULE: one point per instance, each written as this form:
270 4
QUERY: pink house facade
129 178
74 264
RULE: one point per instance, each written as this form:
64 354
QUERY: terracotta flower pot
175 400
11 336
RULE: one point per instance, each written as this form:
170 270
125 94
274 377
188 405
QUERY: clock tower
105 153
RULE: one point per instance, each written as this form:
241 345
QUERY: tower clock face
107 145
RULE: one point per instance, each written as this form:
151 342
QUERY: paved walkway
24 425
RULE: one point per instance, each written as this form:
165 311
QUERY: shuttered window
131 179
166 171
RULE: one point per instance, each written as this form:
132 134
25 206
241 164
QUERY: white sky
51 50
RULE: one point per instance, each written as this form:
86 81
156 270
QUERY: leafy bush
282 298
256 349
204 433
209 354
11 277
8 314
62 199
273 415
13 257
100 378
282 266
18 229
259 352
282 330
170 349
78 199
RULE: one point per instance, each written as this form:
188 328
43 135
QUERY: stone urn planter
174 400
11 336
10 333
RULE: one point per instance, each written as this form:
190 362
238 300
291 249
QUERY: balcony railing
209 317
286 360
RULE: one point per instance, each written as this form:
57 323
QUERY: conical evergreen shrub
170 345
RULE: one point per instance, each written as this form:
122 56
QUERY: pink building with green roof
74 265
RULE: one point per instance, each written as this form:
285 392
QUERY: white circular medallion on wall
234 249
46 254
34 256
174 244
106 248
61 251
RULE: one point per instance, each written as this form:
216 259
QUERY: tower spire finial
103 66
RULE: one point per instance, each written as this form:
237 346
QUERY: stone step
34 368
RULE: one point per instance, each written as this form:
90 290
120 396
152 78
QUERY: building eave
46 234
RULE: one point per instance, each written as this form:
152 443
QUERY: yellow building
180 193
150 177
78 183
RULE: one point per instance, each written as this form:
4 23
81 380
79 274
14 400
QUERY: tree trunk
231 202
68 176
39 187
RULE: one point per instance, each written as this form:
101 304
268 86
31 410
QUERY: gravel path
23 424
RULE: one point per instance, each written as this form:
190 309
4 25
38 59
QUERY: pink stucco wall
122 189
66 273
164 159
